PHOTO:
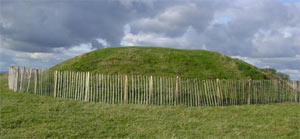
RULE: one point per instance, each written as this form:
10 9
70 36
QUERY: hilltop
163 62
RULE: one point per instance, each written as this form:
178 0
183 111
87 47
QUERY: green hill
162 62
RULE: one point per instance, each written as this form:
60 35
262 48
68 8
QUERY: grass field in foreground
31 116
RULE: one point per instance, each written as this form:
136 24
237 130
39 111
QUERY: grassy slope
162 62
31 116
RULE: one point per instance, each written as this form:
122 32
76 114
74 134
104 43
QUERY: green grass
162 62
25 115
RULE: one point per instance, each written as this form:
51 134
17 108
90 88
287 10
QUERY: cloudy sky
42 33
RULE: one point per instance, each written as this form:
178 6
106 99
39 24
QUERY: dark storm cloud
35 25
249 23
266 31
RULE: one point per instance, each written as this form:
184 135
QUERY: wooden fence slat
77 85
126 90
97 87
73 84
176 90
150 89
249 92
55 83
87 79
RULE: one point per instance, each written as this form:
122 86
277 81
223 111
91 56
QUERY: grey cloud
176 19
294 74
267 15
288 65
266 30
96 44
281 63
242 35
62 23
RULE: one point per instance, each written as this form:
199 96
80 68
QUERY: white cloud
274 43
176 19
40 55
294 74
38 59
150 39
103 42
252 61
187 40
65 53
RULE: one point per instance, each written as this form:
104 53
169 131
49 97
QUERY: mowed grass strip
25 115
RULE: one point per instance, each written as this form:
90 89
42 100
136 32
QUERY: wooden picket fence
152 90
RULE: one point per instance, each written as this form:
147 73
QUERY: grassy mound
162 62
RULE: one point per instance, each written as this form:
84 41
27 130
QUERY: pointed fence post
218 93
29 79
176 91
249 93
21 70
278 88
87 79
55 83
126 89
150 89
10 77
35 80
16 79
